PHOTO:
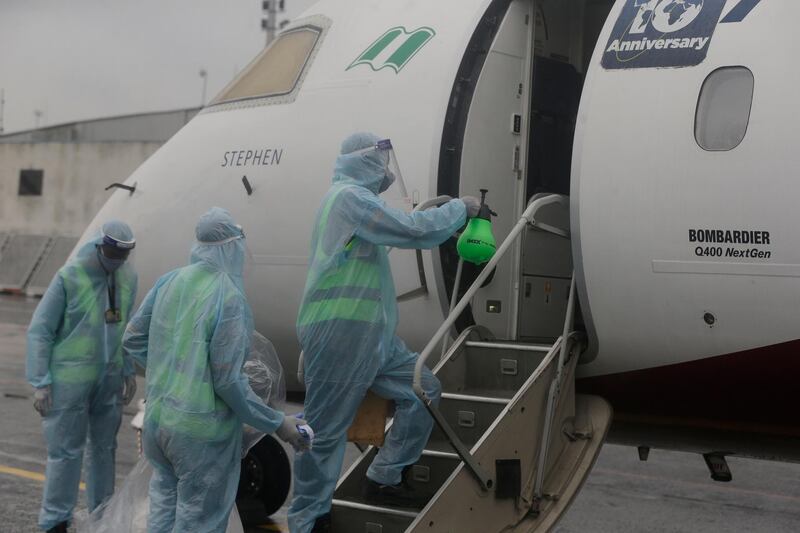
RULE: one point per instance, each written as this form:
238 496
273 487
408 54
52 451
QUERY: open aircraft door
512 443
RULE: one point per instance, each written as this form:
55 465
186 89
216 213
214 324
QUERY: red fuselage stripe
754 390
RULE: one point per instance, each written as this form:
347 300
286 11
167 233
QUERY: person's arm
385 225
137 334
42 332
230 344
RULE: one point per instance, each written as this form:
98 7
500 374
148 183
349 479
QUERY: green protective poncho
193 333
347 325
72 350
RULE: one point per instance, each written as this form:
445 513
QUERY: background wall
73 186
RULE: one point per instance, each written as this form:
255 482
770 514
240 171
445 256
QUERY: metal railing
422 290
528 218
554 394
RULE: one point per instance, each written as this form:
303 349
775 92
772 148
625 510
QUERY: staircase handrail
553 395
528 217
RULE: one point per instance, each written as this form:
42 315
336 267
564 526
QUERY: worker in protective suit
192 333
346 326
80 374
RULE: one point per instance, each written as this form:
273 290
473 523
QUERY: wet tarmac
671 492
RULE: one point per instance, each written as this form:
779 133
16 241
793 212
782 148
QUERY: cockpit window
277 70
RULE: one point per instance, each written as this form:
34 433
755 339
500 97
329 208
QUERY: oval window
723 108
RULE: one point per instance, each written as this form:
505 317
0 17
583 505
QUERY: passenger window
277 70
723 109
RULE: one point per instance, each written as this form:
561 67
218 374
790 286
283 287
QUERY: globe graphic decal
674 15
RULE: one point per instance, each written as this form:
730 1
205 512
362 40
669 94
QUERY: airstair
512 443
20 255
54 256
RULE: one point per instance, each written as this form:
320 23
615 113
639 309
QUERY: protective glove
130 389
42 401
288 432
473 205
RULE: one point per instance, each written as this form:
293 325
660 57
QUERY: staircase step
393 511
425 476
355 517
440 446
468 416
441 454
542 348
478 383
474 398
491 369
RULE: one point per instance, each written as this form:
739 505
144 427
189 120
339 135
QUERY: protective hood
220 243
367 169
88 252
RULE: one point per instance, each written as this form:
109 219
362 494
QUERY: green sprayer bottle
476 245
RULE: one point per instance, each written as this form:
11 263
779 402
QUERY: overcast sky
78 59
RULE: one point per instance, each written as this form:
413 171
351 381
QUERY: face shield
114 252
249 263
392 188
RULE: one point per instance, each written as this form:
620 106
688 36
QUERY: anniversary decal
662 33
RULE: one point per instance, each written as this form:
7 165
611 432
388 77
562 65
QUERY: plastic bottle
477 245
306 431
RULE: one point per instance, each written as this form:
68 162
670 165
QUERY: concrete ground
671 492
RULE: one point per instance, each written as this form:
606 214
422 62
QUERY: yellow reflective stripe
75 373
208 426
78 348
354 273
124 295
82 304
80 295
91 307
183 350
341 308
323 224
184 395
193 392
323 221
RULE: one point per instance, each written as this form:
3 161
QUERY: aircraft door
492 157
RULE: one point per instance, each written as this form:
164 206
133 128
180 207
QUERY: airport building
53 180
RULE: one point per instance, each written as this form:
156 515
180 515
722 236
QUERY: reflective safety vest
351 288
181 392
80 352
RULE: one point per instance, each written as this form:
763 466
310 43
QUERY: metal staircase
512 442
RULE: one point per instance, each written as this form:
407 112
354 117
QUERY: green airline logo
394 49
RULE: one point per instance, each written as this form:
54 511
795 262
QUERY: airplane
649 145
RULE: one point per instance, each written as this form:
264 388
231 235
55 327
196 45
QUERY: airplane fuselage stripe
742 9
